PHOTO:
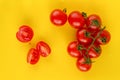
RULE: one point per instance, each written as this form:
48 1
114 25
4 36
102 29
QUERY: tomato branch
95 39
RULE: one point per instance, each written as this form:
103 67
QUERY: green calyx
97 49
65 10
80 47
87 34
84 15
103 40
95 22
87 61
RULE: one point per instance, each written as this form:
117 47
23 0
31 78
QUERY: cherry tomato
93 22
75 49
84 37
83 64
33 56
43 48
94 51
58 17
104 38
76 20
24 34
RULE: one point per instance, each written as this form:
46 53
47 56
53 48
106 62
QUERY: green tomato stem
95 39
65 10
87 58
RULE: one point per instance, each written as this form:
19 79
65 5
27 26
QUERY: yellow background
59 65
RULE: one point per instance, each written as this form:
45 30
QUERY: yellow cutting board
59 65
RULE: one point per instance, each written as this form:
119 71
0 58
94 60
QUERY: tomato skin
18 36
94 51
82 66
73 49
33 56
104 38
43 48
58 17
76 20
93 22
25 34
83 36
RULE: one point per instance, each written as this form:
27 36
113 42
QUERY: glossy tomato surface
58 17
76 20
43 48
25 33
82 65
33 56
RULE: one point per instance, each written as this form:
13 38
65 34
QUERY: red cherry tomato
24 34
76 20
93 22
83 65
33 56
58 17
94 51
104 38
83 37
75 49
43 48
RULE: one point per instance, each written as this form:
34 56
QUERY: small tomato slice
25 34
43 48
33 56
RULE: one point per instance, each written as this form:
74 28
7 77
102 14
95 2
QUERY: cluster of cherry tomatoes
89 35
25 34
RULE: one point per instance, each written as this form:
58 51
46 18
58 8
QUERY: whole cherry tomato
76 20
83 64
58 17
33 56
24 34
93 22
84 37
75 49
94 51
43 48
104 38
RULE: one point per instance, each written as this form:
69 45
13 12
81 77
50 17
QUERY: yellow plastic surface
59 65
